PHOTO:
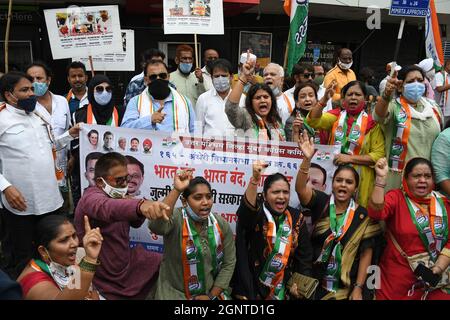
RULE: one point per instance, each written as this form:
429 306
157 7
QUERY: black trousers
17 236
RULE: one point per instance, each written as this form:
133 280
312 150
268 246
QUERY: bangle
305 171
242 81
211 297
88 266
381 185
253 179
179 191
323 105
357 285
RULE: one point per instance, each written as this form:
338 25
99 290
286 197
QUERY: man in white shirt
388 71
273 77
209 56
55 110
211 117
28 183
442 79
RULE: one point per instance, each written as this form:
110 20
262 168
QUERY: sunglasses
153 77
308 75
100 89
122 180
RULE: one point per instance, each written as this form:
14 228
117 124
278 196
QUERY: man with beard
273 77
159 107
77 78
136 176
187 83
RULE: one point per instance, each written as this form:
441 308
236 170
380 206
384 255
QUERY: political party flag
433 43
297 10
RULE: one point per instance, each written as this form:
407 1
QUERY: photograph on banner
114 61
83 31
259 43
154 158
193 16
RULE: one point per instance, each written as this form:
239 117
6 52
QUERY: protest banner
83 31
225 163
123 61
193 17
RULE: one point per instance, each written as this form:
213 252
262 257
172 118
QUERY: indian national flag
297 10
433 43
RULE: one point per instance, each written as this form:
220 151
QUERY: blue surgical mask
221 84
185 67
414 91
193 215
103 98
40 88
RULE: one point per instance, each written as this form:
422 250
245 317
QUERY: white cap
397 67
244 57
426 64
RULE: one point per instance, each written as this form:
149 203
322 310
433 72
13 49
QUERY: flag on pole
297 10
433 43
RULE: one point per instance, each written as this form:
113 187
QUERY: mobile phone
425 274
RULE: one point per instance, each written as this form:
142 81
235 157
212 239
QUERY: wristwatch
211 297
356 284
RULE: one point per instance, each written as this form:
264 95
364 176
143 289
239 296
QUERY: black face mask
28 105
159 89
209 65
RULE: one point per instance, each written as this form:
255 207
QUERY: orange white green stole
352 143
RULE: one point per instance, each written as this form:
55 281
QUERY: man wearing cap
255 78
427 65
388 71
443 89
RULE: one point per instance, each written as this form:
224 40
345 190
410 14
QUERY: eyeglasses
100 89
308 75
122 180
153 77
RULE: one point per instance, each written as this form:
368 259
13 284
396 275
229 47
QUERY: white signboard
114 61
225 163
83 31
193 16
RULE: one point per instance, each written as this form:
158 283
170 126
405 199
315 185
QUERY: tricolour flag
433 43
297 10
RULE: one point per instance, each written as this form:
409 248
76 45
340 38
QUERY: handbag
423 258
305 285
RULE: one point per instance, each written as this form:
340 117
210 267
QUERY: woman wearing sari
272 240
345 240
416 220
199 252
360 137
259 119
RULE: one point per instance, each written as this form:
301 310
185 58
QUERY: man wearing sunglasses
302 73
124 272
159 107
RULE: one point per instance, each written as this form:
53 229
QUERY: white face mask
115 193
345 66
60 273
221 84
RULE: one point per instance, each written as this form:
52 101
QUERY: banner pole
196 51
399 39
8 28
91 63
286 53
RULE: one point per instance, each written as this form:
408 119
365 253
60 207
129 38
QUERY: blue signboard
409 8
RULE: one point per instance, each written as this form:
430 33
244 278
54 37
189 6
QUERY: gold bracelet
87 266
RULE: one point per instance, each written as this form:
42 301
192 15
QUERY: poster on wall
155 157
193 16
83 31
259 43
123 61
